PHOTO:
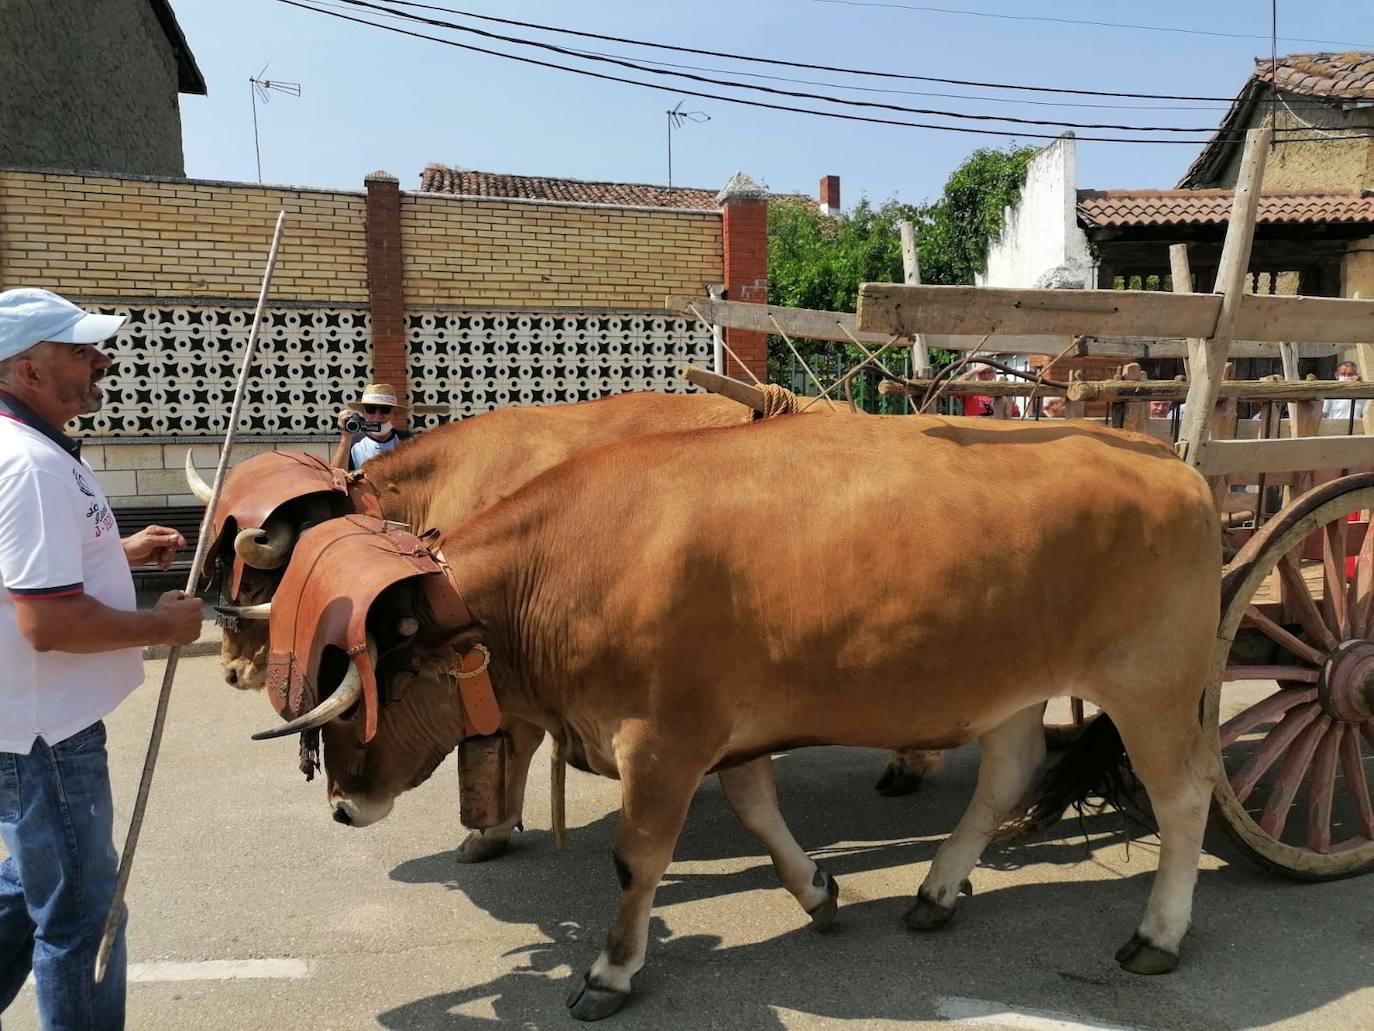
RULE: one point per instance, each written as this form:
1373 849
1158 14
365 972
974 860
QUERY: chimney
830 195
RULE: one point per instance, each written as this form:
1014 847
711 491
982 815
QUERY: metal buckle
486 661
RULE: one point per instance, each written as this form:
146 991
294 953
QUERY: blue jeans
56 819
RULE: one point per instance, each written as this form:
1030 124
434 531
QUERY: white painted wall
1041 244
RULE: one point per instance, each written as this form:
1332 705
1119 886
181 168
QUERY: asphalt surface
380 927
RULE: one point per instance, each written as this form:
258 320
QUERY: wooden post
911 272
1075 409
1210 363
1182 274
1135 414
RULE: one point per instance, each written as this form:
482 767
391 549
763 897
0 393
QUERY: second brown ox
677 604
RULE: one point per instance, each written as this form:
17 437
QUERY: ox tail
1095 766
558 781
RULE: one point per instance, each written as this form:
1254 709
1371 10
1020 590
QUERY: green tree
818 261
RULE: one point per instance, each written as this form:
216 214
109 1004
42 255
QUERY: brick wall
746 277
493 253
91 236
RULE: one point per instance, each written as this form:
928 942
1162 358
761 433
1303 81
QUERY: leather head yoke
337 571
257 487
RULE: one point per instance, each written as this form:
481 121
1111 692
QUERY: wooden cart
1290 704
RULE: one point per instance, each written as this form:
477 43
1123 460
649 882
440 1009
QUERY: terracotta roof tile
438 178
1103 208
1335 76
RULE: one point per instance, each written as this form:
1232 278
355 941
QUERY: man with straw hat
365 427
71 640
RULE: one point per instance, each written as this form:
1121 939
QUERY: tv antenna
676 118
258 87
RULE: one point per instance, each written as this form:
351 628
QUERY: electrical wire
800 64
774 91
758 103
923 9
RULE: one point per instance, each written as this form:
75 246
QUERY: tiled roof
1103 208
448 179
1325 77
1338 76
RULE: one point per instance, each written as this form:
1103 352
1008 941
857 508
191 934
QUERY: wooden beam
807 323
1241 390
726 386
1222 457
1134 314
1209 364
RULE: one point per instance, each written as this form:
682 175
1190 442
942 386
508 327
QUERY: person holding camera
366 429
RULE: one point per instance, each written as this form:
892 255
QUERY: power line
801 64
772 90
923 9
734 100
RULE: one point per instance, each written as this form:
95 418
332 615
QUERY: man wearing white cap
374 434
70 638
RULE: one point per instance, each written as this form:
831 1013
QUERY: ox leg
905 770
754 798
1169 755
1010 756
479 846
656 792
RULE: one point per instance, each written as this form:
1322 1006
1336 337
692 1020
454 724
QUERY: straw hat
376 394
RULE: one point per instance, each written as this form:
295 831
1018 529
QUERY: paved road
240 871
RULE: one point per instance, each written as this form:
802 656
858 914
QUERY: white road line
980 1013
217 970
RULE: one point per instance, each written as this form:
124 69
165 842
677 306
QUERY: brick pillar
744 204
384 284
829 195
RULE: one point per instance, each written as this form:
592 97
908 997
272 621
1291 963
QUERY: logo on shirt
97 511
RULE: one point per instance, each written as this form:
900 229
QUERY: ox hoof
823 915
929 915
1141 957
591 1002
477 848
898 779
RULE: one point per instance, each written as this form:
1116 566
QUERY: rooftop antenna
258 87
675 119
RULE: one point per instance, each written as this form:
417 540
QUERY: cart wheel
1293 712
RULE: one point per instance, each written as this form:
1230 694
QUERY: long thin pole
670 148
253 93
126 862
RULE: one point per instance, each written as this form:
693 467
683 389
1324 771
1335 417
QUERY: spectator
1346 408
1054 408
981 404
376 435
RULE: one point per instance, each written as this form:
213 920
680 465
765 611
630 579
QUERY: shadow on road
1038 946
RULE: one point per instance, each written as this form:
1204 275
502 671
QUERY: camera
357 424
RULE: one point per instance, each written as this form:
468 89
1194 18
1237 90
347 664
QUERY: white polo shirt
57 538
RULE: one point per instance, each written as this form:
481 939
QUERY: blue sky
373 100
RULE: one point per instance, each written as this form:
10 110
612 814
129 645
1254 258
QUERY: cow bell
482 781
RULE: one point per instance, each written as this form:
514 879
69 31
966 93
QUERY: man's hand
179 618
344 415
153 544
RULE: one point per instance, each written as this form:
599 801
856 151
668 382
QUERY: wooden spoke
1362 585
1301 674
1321 790
1295 646
1263 712
1296 595
1290 776
1352 767
1272 747
1333 569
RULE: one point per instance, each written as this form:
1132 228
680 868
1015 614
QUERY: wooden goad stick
126 862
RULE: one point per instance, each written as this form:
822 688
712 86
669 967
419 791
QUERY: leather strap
481 713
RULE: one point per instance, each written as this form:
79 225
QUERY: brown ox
672 605
447 475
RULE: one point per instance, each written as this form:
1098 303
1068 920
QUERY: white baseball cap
29 316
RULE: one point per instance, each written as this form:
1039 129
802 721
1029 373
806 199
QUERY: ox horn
263 611
265 548
343 699
198 486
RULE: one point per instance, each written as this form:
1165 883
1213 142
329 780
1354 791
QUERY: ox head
371 648
266 502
